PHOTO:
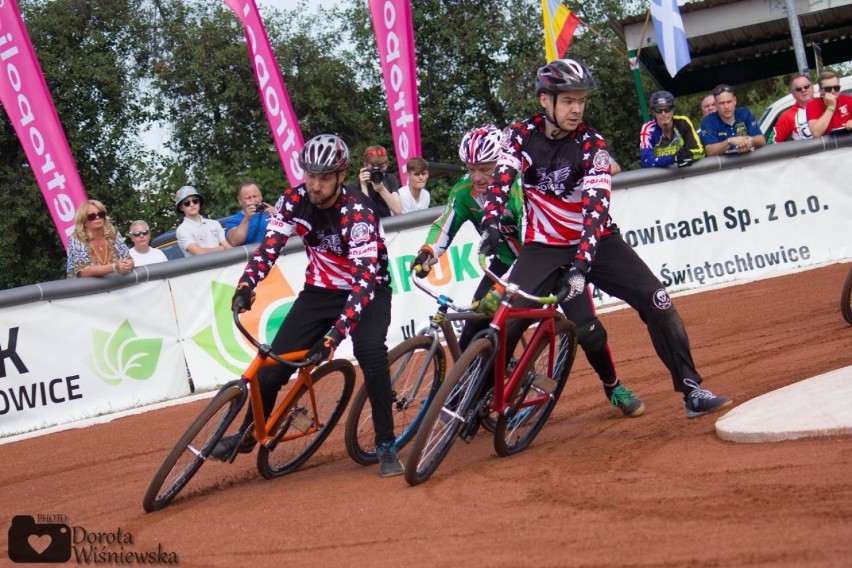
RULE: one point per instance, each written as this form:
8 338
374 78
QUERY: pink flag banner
273 93
395 38
24 95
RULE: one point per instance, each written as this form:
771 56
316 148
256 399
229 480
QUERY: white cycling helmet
481 145
324 153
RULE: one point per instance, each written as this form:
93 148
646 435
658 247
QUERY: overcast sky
291 4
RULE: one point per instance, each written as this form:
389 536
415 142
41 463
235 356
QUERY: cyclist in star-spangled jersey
347 288
566 174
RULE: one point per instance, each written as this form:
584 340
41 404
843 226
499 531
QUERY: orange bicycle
297 427
522 396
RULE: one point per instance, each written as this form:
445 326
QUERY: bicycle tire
333 383
443 420
414 382
846 299
514 434
192 449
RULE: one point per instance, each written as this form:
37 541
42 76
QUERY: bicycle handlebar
295 359
515 290
440 298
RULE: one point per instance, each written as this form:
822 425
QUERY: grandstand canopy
736 41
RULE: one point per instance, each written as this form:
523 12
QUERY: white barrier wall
70 359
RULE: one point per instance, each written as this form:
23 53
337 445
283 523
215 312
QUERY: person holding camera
668 138
377 183
248 225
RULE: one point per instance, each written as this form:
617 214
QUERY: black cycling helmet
324 153
662 99
563 75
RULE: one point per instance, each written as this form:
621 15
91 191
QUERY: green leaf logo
121 355
221 341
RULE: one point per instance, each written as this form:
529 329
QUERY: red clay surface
594 489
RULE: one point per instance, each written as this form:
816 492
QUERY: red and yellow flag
560 23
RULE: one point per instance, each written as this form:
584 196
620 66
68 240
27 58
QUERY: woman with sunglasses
142 252
96 248
833 110
197 235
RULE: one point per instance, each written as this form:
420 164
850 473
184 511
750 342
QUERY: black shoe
389 464
701 401
225 447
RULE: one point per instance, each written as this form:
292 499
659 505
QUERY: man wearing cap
668 138
730 130
197 235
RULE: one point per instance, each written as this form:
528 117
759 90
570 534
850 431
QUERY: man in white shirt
414 196
197 235
142 252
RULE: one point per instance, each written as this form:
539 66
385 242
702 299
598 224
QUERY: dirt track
595 489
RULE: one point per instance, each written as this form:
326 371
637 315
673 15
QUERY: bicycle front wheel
417 367
846 299
514 433
449 411
193 448
308 420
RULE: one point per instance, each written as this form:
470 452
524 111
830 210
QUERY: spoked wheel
308 420
514 433
417 367
448 411
194 446
846 299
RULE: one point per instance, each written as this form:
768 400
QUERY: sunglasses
98 215
829 88
191 201
661 110
144 233
722 89
803 88
373 153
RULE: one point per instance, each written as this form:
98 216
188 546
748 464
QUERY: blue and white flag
671 37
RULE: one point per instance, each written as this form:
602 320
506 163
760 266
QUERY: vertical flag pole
633 55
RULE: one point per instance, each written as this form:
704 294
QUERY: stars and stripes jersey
465 204
566 185
345 244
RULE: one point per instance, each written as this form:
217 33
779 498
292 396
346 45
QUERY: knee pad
592 335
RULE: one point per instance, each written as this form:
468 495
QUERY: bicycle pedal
300 421
544 384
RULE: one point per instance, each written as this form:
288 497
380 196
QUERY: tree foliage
114 67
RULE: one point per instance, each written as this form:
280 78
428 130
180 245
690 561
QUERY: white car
770 115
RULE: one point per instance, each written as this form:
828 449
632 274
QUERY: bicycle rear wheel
846 299
417 367
449 411
514 434
194 446
300 431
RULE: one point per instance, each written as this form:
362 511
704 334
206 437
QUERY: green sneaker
630 404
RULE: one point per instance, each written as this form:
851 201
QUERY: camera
259 207
377 175
30 541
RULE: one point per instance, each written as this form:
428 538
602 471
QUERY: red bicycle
523 396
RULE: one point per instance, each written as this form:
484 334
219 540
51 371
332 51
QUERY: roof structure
737 41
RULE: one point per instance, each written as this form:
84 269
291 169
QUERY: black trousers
311 316
618 271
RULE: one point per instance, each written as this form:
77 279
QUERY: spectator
708 105
730 130
197 235
96 248
479 150
347 289
248 225
414 195
668 138
833 111
564 166
377 183
793 123
142 252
